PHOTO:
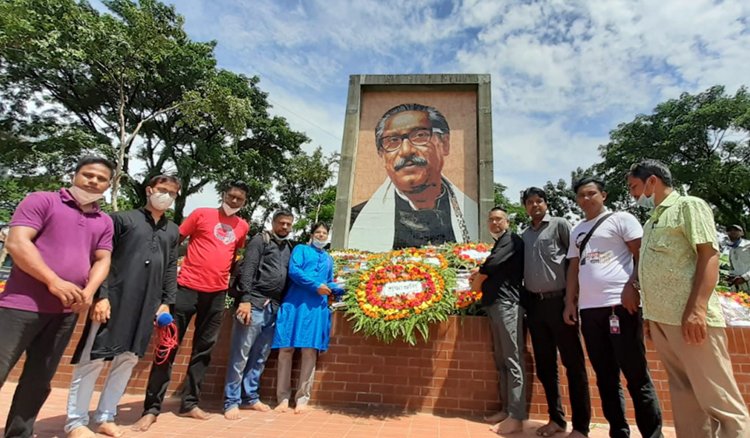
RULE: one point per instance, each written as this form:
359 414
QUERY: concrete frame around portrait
427 83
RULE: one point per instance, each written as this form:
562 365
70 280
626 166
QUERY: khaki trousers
706 401
306 375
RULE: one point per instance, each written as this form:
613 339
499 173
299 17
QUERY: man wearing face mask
678 270
61 244
739 258
263 283
140 285
216 234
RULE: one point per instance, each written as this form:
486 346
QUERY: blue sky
564 73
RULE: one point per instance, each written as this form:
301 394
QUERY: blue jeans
249 350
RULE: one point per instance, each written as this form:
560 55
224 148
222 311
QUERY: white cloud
564 73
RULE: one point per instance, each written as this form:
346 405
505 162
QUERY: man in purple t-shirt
61 243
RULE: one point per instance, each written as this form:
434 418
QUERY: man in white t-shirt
602 283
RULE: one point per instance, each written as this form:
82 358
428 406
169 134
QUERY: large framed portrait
416 162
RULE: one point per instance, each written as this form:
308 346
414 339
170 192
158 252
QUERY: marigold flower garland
739 297
468 255
401 294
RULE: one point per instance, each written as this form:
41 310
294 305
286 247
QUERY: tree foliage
516 212
305 187
704 140
131 83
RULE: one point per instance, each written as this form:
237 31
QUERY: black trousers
208 309
43 336
549 333
611 353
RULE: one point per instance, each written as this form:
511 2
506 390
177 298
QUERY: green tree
137 87
516 212
704 140
305 186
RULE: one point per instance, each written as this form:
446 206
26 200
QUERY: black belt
547 295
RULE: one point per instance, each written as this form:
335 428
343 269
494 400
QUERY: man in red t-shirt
216 234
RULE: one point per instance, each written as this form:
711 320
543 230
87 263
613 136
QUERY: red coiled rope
166 341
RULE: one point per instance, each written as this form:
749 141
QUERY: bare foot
496 417
282 407
81 432
550 429
197 413
301 409
144 423
509 426
110 429
232 414
259 406
576 434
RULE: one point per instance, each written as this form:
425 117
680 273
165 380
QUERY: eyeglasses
172 195
417 137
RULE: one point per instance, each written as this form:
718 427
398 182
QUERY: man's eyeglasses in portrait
417 137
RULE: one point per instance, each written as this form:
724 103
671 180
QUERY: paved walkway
317 423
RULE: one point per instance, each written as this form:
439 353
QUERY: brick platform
453 373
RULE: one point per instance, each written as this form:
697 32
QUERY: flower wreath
393 300
739 297
347 261
468 255
429 256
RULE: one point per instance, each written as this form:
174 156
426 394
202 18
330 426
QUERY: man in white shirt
739 258
602 283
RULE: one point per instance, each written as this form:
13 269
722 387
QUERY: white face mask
161 201
646 202
229 211
320 244
83 197
495 235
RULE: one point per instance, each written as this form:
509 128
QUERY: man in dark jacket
262 285
501 278
142 282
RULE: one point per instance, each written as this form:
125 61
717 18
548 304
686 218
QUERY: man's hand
694 325
738 281
67 292
244 313
630 298
323 289
162 309
476 281
570 314
101 311
646 329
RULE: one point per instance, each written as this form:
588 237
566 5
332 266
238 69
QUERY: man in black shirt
142 283
501 278
262 285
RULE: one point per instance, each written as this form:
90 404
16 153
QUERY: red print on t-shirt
224 233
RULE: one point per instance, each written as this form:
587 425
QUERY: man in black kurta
142 283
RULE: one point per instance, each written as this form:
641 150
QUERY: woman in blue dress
304 320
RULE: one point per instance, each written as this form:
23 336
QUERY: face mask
495 235
229 210
646 202
288 236
161 201
320 244
83 197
